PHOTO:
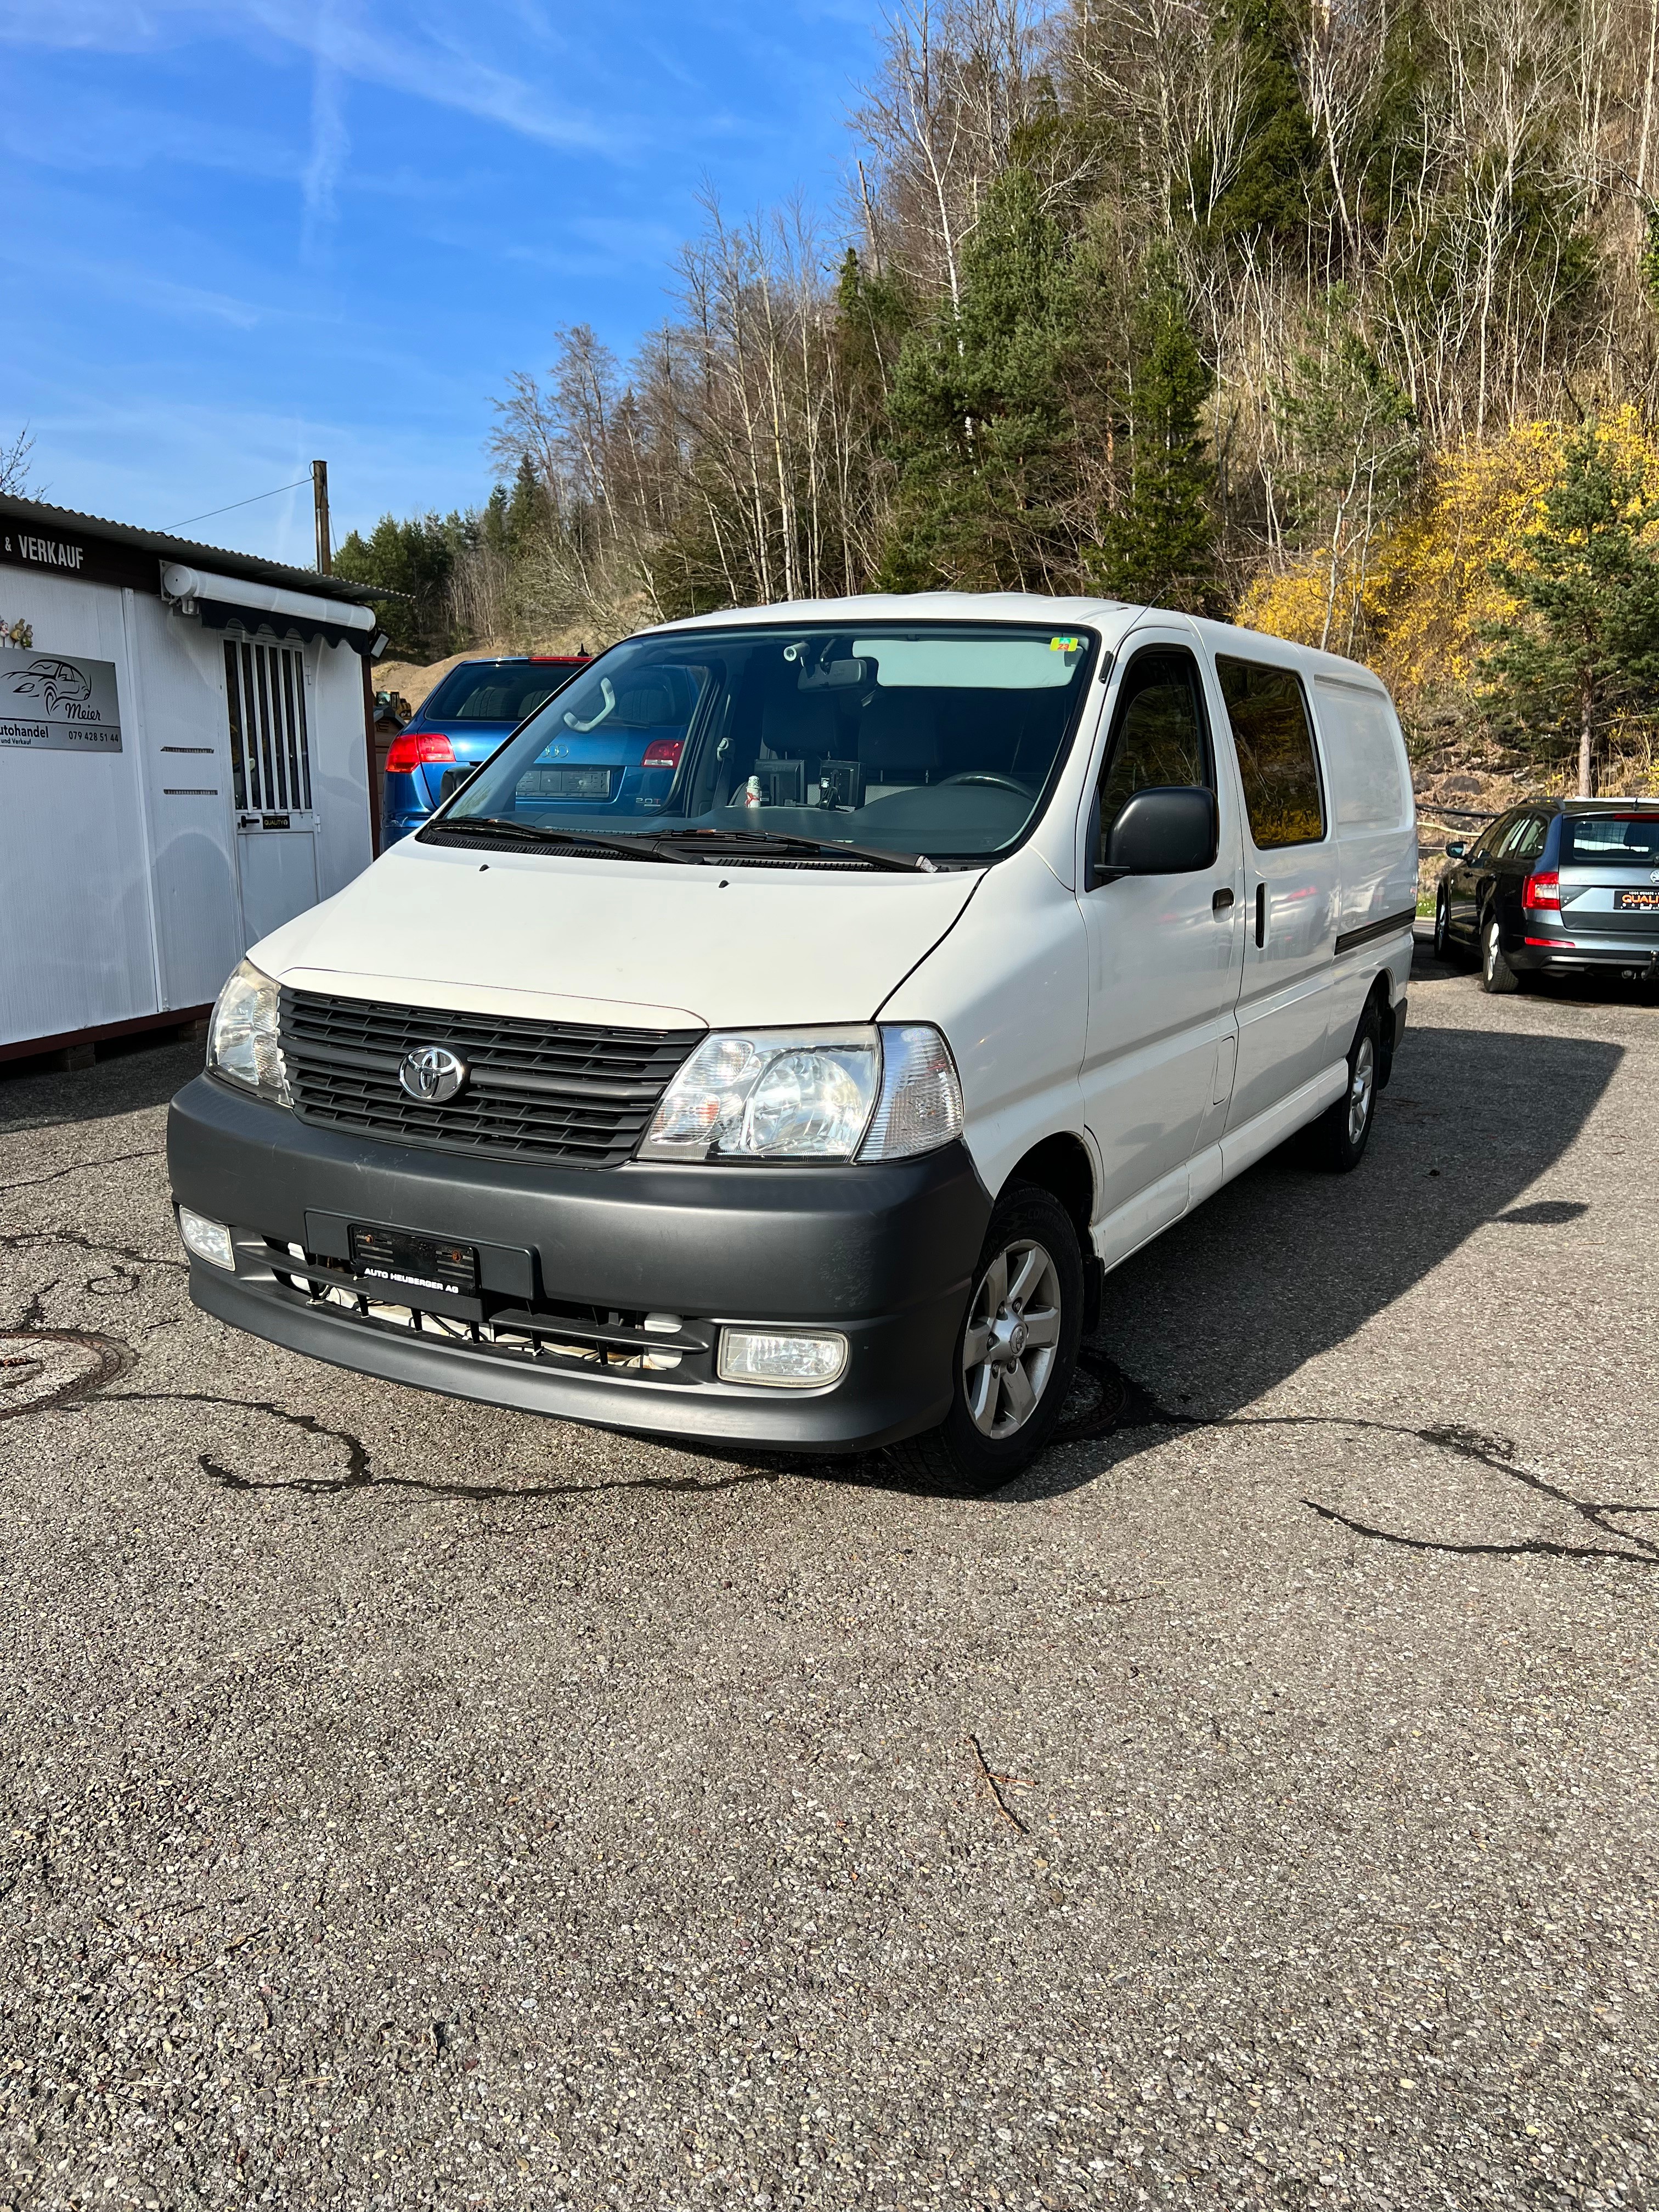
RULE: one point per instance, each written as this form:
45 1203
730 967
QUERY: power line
234 503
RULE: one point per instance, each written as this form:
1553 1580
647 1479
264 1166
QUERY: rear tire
1016 1352
1496 974
1443 948
1343 1131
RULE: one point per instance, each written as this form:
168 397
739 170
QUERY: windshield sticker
1066 645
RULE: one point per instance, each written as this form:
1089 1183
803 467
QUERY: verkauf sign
79 559
36 552
51 703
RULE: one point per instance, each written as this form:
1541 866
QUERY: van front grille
559 1091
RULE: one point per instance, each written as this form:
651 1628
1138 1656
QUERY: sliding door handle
1222 900
1262 913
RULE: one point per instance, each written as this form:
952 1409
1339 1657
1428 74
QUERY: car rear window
1610 841
483 691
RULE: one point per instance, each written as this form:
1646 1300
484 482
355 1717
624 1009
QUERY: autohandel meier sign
51 703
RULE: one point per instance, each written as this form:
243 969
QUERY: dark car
460 724
1555 886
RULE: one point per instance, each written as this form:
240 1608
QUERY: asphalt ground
410 1804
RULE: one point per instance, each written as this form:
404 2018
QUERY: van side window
1276 759
1159 734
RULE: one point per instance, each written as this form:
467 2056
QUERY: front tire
1016 1352
1496 974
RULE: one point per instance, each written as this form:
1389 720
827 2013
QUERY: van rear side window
1276 759
1362 754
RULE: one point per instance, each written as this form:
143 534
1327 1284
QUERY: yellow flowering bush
1429 592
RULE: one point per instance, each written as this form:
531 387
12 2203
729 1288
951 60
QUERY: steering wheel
986 776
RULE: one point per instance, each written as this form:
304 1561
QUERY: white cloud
330 146
382 45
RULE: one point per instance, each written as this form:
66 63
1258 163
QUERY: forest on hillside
1322 314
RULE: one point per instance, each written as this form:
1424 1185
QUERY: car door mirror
1456 849
1166 829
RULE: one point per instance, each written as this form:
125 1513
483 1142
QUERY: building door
270 768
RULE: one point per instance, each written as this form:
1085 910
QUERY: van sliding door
1290 886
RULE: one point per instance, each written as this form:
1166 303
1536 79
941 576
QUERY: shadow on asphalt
135 1075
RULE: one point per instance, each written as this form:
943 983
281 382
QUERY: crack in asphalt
14 1240
1140 1410
80 1167
359 1475
1538 1546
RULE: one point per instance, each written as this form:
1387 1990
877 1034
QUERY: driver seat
898 735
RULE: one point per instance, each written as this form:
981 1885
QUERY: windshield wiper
623 849
786 842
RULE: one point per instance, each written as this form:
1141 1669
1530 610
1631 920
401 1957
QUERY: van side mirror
1167 829
1456 849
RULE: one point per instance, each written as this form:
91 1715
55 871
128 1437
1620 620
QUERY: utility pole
319 500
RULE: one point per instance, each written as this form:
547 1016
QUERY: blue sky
238 234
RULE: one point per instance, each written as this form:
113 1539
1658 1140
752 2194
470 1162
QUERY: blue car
461 723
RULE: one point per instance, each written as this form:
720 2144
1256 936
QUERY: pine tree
1158 548
411 563
980 423
1583 645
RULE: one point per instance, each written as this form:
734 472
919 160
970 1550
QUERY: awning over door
224 601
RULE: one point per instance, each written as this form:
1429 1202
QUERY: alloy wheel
1012 1334
1362 1085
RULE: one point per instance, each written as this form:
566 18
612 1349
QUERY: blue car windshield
934 738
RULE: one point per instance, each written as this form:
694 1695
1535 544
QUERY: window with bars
270 737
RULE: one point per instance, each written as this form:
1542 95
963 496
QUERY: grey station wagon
1554 886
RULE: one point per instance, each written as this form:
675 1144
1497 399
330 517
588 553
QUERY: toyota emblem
432 1073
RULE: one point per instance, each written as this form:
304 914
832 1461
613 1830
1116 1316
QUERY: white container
131 876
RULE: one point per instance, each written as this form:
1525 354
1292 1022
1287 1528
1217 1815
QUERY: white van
779 1036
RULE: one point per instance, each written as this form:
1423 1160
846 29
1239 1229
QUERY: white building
185 751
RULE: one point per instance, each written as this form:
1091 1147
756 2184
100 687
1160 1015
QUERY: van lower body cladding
570 1261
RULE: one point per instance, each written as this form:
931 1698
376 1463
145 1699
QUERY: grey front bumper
883 1254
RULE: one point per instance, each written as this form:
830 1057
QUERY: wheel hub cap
1011 1340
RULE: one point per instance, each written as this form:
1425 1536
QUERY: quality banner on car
50 702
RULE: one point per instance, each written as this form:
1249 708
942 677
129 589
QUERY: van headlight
870 1093
244 1042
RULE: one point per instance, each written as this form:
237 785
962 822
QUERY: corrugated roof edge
249 567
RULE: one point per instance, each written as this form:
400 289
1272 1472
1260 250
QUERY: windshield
1616 840
932 739
497 691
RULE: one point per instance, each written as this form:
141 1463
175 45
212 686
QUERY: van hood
639 944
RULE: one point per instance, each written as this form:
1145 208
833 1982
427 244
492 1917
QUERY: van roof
1113 618
939 607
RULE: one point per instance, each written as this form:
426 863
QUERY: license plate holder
1642 901
584 780
398 1260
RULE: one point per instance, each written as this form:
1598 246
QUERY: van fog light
208 1240
789 1358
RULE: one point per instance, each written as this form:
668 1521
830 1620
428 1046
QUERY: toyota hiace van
968 943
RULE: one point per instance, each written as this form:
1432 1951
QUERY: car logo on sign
432 1073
